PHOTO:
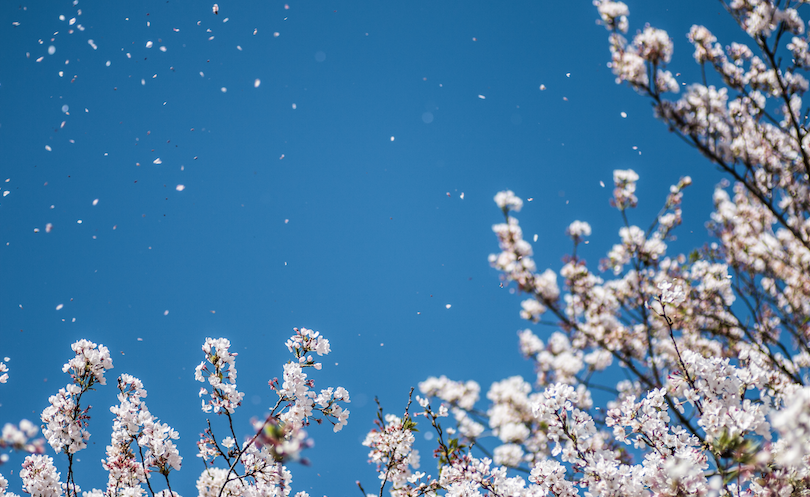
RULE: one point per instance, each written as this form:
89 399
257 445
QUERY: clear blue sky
299 209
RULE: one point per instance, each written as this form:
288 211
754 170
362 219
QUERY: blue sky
328 196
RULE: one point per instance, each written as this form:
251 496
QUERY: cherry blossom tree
713 346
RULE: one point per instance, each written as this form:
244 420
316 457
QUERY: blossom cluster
296 391
21 437
65 421
222 377
40 477
4 371
134 423
391 445
460 473
279 438
305 341
644 59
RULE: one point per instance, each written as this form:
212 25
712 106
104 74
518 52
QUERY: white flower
672 295
507 200
465 395
508 455
342 417
654 45
532 310
614 14
578 230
